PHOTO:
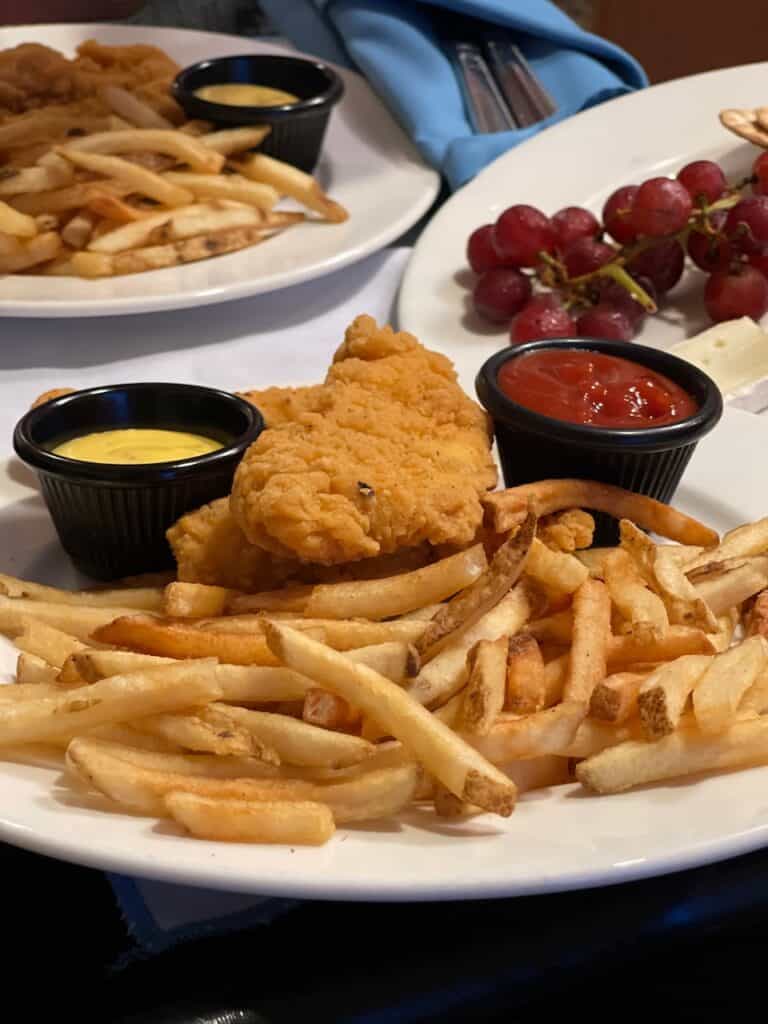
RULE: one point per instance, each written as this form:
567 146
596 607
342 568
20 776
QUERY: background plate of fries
132 209
190 734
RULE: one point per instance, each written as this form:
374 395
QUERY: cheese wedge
733 353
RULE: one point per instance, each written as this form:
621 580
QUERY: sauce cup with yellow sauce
119 465
291 95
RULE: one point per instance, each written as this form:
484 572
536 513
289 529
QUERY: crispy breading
390 453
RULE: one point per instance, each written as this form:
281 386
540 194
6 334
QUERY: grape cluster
571 275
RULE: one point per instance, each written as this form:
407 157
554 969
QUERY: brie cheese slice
734 353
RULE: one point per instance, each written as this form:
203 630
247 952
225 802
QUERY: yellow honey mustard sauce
137 445
238 94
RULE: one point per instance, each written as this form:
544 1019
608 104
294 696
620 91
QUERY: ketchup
597 390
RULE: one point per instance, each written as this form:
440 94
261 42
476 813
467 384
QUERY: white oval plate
556 839
367 164
578 162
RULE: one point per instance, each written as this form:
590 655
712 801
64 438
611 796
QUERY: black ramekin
648 460
298 129
112 519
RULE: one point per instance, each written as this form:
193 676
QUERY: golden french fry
32 669
637 605
683 752
741 542
567 531
78 230
146 751
235 140
737 583
208 730
290 181
487 590
591 641
445 674
328 711
297 823
145 598
111 207
33 179
728 677
686 603
179 639
289 599
442 752
553 629
117 699
486 686
28 252
550 731
222 186
676 642
184 148
70 197
27 691
19 225
525 682
663 695
297 742
175 225
195 600
341 634
52 645
128 106
137 179
448 805
614 699
79 621
395 595
560 573
507 509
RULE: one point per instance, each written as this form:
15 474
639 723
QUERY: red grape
704 181
610 293
574 222
602 321
521 233
500 293
711 252
742 291
747 224
585 255
759 260
662 264
760 171
662 206
616 214
543 317
481 254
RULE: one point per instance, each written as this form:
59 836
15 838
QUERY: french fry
289 599
507 509
487 590
525 682
614 699
396 595
51 644
33 179
145 598
175 225
341 634
591 640
637 605
167 758
28 252
442 752
367 796
32 669
676 642
185 149
555 674
20 225
560 573
328 711
690 609
27 691
729 676
79 621
296 823
235 140
207 730
445 674
722 591
128 106
194 600
741 542
78 230
553 629
663 695
486 686
550 731
567 531
137 179
221 186
448 805
683 752
290 181
70 197
179 639
117 699
111 207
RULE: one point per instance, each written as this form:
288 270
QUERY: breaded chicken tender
389 454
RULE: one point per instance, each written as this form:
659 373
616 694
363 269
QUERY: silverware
526 97
487 109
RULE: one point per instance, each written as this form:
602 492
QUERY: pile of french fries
140 193
515 664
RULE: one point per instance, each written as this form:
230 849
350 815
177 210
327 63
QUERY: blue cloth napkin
394 45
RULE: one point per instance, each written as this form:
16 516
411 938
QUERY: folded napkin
395 45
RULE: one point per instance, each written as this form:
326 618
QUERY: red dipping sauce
593 389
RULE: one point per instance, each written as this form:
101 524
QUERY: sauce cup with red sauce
599 410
